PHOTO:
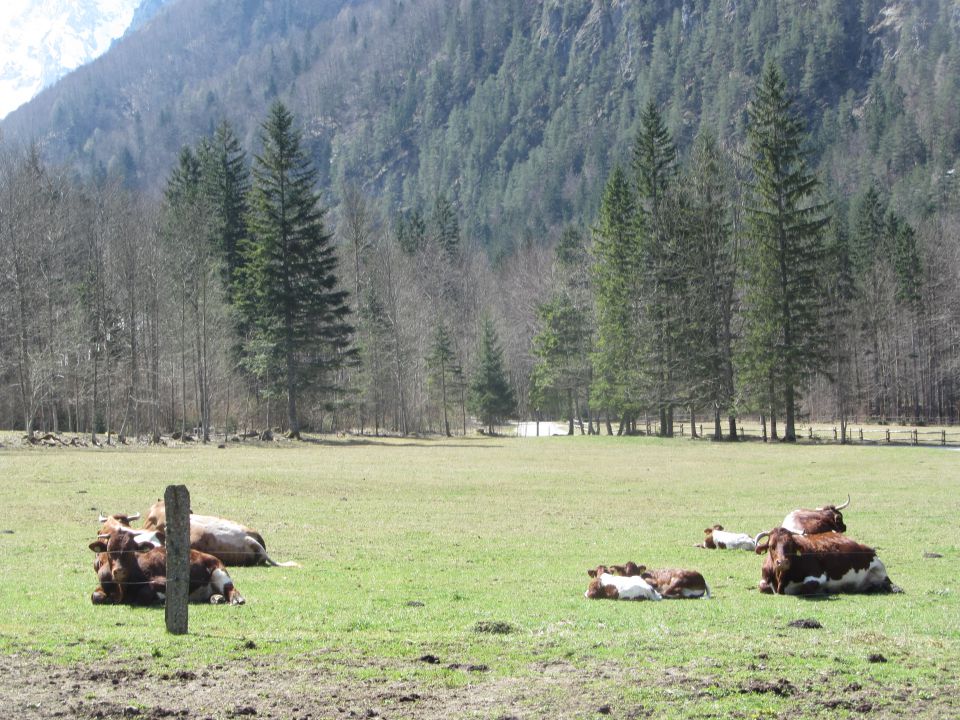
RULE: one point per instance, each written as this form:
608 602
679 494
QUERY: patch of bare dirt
32 689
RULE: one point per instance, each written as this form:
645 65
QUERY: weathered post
177 501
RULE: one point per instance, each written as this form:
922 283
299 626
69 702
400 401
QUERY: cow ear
761 549
708 530
641 568
592 573
718 527
98 546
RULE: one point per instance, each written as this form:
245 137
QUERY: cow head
598 571
118 549
596 590
833 518
630 569
781 549
708 541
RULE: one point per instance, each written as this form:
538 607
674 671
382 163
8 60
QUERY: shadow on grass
387 442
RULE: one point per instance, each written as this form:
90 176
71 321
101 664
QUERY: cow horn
135 516
103 537
102 518
760 536
841 507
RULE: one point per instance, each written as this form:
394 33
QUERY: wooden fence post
943 437
888 434
177 501
915 438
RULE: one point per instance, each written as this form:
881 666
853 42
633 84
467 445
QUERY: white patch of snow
43 40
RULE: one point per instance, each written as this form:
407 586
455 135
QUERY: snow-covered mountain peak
42 40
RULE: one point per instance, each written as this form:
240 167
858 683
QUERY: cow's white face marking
630 588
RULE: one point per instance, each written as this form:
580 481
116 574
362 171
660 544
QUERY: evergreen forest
420 216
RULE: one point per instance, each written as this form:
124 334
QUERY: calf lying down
716 538
635 582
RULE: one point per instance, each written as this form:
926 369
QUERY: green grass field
408 547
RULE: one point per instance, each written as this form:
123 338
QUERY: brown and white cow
138 574
671 583
716 538
606 586
233 543
109 524
819 520
820 563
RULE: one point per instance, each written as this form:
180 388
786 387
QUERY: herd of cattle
131 562
808 554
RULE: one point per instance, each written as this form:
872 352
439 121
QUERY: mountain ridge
517 112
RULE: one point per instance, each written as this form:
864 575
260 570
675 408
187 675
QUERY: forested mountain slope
516 111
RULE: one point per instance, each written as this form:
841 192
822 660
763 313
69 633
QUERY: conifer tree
661 214
713 264
290 290
491 396
784 335
617 267
226 185
444 368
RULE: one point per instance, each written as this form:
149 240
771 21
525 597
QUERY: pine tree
290 292
226 184
444 369
617 267
713 264
785 341
662 214
491 396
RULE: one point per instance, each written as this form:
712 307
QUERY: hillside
516 110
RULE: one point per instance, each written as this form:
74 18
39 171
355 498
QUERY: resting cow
233 543
138 574
109 524
719 539
820 520
820 563
671 583
614 587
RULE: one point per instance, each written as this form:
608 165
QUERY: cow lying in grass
819 520
134 573
668 583
719 539
604 585
821 563
233 543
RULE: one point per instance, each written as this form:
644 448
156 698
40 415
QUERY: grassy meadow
419 547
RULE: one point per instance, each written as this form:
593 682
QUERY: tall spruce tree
617 267
444 370
713 263
491 396
784 337
226 185
662 216
290 290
